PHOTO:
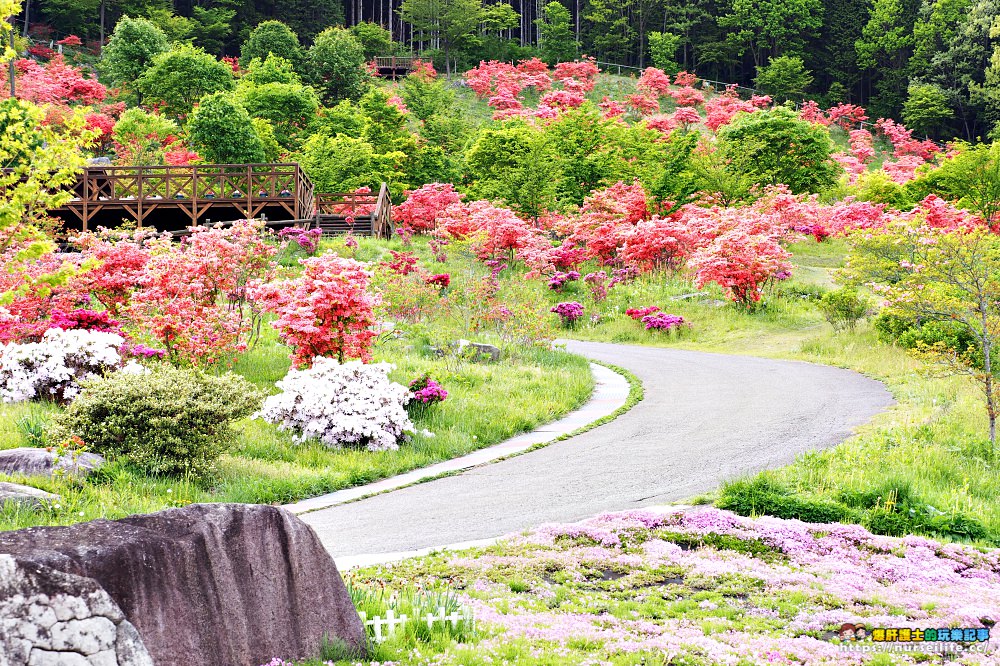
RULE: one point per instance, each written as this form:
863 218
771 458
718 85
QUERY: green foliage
770 27
130 51
273 69
142 136
342 118
879 187
289 107
777 147
556 34
180 77
342 163
970 177
663 50
926 108
678 183
426 97
220 129
448 22
844 307
763 495
271 37
375 40
513 162
170 421
337 60
784 78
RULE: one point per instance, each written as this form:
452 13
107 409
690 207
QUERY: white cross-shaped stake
431 618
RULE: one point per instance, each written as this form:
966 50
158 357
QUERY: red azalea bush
742 263
56 82
639 313
420 210
327 311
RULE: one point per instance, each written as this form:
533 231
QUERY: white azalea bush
53 367
350 404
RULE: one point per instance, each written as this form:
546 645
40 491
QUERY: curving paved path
705 418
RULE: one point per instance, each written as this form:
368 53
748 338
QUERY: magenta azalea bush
425 391
559 280
569 312
661 321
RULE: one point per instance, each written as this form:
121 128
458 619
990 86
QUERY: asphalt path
705 418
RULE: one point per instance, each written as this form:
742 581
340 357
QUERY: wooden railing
192 191
394 63
364 213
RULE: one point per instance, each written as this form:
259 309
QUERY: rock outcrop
26 496
51 618
219 584
31 461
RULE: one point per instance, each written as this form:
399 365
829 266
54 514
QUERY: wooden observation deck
173 198
391 67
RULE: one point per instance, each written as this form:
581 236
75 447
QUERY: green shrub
843 308
763 495
170 421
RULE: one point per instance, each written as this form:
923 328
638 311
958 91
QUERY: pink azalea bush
569 313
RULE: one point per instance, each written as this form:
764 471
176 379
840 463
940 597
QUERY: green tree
289 107
385 125
769 28
784 78
133 46
556 34
211 27
663 51
337 60
775 147
958 284
426 96
446 23
274 69
926 108
222 132
884 48
375 40
343 163
180 77
513 162
271 37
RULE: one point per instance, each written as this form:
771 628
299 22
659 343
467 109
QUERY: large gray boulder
51 618
218 584
30 461
26 496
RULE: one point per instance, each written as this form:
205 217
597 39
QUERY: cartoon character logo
847 632
860 632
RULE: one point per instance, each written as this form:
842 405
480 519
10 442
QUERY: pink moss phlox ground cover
718 588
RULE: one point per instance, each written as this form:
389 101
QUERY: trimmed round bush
167 421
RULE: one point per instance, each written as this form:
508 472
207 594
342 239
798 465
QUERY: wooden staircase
354 213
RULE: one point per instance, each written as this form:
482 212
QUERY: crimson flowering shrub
642 104
85 320
420 210
497 233
403 263
567 255
743 263
848 116
654 82
903 142
56 82
569 313
658 244
639 313
721 109
611 108
440 280
327 311
606 218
